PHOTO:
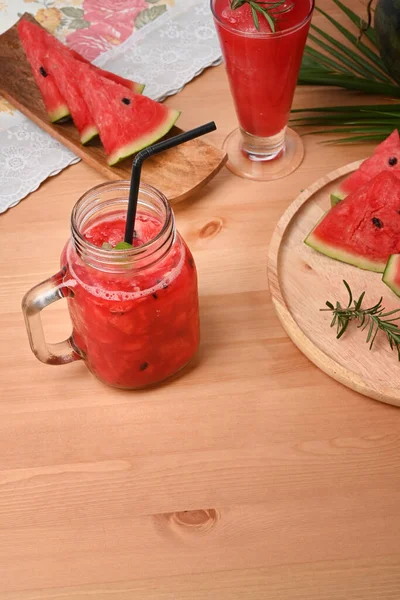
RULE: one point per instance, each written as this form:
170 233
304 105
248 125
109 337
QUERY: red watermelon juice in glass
134 310
263 65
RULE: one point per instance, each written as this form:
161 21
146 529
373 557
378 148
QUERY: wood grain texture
256 476
179 172
301 280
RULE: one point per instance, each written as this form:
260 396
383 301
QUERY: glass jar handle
33 303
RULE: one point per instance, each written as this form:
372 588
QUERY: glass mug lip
128 253
263 35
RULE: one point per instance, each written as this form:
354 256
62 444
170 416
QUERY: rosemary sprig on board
373 319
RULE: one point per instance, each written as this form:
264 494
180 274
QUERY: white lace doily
165 54
169 52
28 156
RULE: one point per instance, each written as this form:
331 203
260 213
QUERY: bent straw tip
141 156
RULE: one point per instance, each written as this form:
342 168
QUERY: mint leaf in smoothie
119 246
123 246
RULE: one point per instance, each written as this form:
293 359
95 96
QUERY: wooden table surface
255 476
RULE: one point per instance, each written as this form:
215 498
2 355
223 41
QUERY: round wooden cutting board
302 280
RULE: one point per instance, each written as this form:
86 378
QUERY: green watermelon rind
337 197
342 255
60 113
392 268
88 134
146 140
138 88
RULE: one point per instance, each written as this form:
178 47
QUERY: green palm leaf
358 22
329 63
358 138
348 57
373 56
359 67
365 64
370 122
349 82
361 108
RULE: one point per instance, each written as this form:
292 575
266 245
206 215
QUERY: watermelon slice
364 229
52 42
127 122
352 183
391 276
386 157
60 66
35 49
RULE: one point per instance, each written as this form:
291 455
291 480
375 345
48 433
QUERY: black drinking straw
137 168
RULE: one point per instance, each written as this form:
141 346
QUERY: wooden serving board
177 173
301 281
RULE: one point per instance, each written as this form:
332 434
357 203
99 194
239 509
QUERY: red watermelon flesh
356 180
390 144
35 49
60 66
391 275
137 88
386 157
364 229
127 122
52 42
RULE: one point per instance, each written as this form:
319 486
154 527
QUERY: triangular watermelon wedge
62 68
364 229
386 157
35 49
127 122
53 43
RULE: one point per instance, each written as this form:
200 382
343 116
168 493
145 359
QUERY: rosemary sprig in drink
373 319
258 7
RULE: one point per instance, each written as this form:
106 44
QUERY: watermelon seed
155 296
377 222
43 72
392 161
144 366
126 100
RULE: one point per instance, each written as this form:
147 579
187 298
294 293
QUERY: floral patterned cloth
28 155
89 26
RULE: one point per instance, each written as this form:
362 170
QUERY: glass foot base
268 170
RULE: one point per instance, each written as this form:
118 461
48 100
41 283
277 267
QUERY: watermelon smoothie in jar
262 63
134 309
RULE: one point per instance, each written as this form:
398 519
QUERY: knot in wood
201 519
212 228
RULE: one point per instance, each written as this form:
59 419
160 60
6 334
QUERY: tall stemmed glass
263 67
